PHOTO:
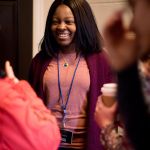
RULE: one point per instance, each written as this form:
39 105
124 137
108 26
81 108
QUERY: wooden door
8 33
16 35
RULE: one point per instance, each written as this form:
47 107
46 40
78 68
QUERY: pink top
76 108
25 123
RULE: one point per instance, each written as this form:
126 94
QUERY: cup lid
110 85
109 91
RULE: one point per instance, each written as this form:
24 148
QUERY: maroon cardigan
100 73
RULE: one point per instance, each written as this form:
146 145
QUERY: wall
101 8
40 10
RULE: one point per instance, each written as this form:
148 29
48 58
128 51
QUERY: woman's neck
68 49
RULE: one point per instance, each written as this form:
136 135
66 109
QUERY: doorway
16 35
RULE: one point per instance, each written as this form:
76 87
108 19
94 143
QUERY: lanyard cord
69 91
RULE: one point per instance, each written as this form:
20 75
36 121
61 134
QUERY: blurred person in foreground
24 120
126 47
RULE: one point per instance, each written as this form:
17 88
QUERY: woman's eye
69 22
55 21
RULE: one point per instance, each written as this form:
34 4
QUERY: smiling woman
66 72
63 26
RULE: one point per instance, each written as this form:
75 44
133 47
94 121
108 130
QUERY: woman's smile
63 26
63 35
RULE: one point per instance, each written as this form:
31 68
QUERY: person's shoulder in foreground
26 124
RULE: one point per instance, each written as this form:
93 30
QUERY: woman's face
141 24
63 26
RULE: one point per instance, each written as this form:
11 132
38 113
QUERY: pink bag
25 123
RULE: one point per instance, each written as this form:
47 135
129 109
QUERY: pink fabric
77 104
25 123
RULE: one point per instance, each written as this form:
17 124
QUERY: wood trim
25 16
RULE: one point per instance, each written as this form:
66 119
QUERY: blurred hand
104 115
9 72
120 43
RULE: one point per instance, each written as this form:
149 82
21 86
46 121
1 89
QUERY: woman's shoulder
40 55
103 54
101 57
40 58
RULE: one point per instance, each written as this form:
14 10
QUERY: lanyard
64 106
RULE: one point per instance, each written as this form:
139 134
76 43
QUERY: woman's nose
61 26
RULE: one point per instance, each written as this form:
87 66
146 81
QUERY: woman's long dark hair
87 37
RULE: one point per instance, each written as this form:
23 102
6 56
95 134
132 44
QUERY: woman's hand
9 72
104 115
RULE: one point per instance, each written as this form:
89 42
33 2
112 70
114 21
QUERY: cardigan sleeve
34 73
108 73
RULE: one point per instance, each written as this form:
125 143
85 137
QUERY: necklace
67 62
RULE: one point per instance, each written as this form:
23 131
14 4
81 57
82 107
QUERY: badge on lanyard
66 136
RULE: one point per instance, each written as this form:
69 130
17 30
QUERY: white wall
40 11
102 9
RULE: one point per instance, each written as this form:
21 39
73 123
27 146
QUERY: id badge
66 136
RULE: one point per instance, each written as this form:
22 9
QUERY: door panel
16 35
8 33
